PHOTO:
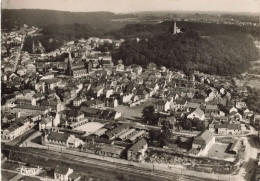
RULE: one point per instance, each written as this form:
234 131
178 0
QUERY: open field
219 150
90 127
134 112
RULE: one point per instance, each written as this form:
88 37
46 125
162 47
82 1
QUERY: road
19 54
251 151
101 164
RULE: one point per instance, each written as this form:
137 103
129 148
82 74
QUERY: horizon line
135 12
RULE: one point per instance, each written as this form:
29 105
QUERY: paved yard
134 112
219 150
90 127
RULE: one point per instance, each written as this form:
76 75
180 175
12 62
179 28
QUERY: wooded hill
210 48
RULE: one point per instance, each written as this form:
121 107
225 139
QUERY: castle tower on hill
175 29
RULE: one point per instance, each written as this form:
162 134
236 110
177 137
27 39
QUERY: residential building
65 174
20 126
198 113
137 151
27 110
162 106
228 129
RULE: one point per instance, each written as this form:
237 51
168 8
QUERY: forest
41 18
48 42
253 99
209 48
143 30
54 35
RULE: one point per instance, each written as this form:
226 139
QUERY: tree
253 100
200 126
151 66
154 135
188 51
187 124
148 112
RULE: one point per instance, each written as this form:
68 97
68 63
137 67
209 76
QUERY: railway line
102 164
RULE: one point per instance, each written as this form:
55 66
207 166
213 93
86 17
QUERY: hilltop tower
174 28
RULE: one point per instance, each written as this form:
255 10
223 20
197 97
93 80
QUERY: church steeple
34 49
56 120
69 65
70 58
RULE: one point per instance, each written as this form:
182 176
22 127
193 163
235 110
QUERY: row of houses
18 127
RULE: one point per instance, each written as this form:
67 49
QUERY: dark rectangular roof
58 136
74 176
116 130
137 146
85 109
40 108
61 170
234 126
98 140
204 137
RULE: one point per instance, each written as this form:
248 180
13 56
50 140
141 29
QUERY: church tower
34 48
69 65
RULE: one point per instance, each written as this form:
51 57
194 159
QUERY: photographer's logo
29 171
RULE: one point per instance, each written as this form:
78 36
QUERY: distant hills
204 29
41 18
208 47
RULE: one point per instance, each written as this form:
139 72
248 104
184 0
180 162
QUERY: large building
28 110
20 126
203 142
61 140
77 70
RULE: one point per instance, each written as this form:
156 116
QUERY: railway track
103 164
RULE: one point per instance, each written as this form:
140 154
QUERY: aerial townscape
145 96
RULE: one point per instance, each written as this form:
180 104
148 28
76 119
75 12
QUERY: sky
125 6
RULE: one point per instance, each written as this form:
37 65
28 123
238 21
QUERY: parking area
90 127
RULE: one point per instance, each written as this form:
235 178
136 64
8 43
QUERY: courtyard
90 127
220 151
